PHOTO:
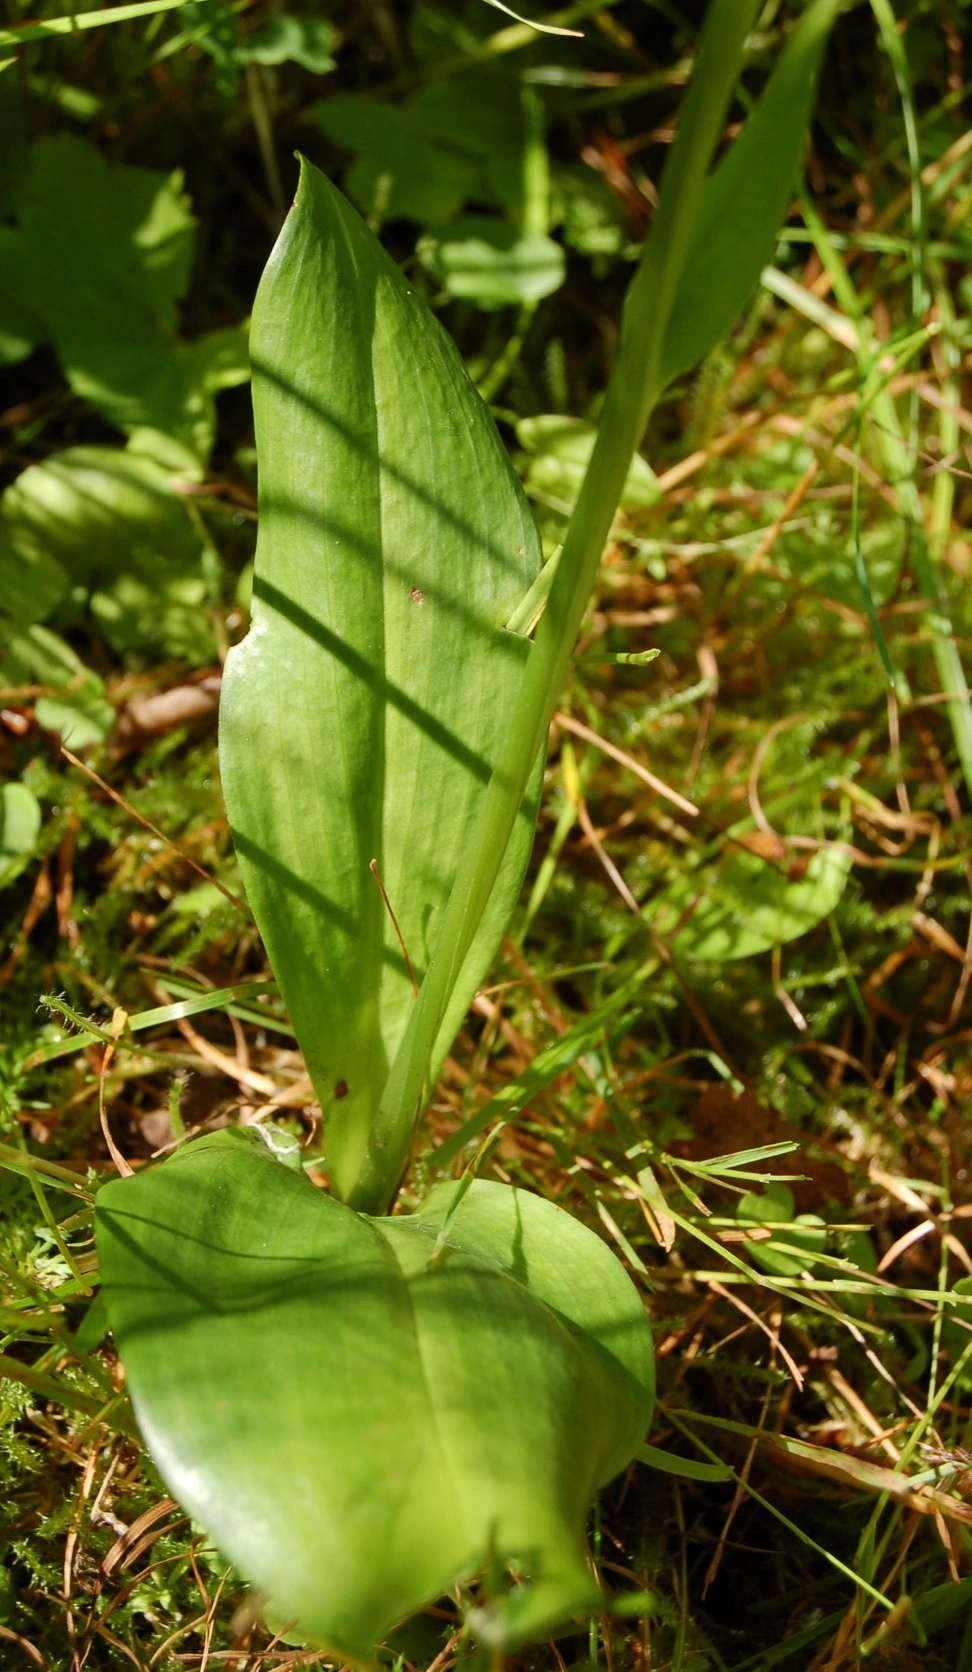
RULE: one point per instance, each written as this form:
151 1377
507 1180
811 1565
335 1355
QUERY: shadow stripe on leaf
377 683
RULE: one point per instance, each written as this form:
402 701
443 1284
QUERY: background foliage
746 926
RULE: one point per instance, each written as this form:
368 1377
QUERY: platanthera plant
365 1409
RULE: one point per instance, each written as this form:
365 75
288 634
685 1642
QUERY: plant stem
632 392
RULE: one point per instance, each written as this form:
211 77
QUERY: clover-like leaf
747 904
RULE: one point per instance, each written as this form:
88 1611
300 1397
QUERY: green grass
769 709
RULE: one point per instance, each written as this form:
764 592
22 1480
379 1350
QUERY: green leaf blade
745 200
361 716
357 1425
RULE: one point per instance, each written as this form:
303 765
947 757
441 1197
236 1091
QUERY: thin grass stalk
926 550
900 460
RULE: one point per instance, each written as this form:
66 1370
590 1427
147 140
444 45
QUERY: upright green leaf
634 387
745 200
362 715
362 1412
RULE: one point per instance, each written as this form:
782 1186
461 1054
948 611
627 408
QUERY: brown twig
147 824
373 868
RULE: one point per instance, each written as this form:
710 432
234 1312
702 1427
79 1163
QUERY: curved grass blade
83 20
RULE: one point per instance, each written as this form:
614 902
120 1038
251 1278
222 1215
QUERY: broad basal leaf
362 1412
361 716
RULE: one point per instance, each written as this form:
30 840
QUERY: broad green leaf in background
400 163
110 525
77 709
745 905
459 139
361 716
20 329
78 719
481 110
32 583
92 508
14 146
20 822
559 451
100 254
594 219
96 261
308 41
143 612
806 1232
180 403
746 199
486 260
362 1412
